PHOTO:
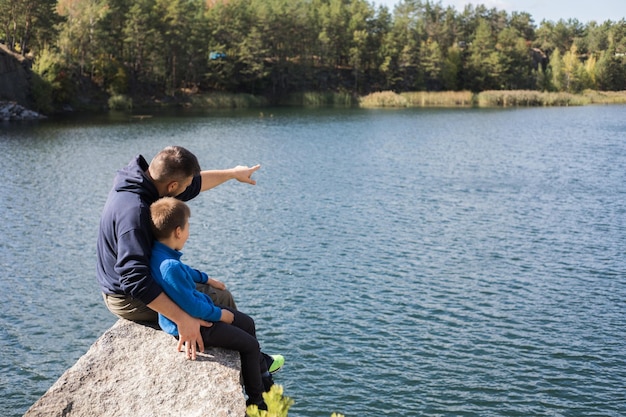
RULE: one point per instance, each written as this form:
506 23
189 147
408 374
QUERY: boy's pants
241 336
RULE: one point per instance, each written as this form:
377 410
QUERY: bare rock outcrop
14 77
134 370
13 111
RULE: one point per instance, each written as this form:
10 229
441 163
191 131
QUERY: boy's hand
227 316
216 284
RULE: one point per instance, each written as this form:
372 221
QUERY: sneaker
277 362
259 403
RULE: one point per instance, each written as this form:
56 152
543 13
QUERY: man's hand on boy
216 284
190 337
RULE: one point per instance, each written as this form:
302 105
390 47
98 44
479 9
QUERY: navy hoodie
125 236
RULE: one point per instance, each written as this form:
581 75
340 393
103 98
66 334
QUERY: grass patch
383 99
605 97
315 99
226 101
439 98
528 98
418 99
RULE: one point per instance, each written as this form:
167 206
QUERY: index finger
251 171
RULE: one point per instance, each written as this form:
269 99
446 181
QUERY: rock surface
14 77
135 370
13 111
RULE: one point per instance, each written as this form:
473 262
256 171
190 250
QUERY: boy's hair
167 214
174 163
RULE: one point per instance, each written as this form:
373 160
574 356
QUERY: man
125 237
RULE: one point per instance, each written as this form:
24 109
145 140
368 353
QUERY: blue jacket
125 236
179 283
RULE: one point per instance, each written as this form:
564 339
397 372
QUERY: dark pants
241 336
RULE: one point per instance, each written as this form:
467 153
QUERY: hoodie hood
132 178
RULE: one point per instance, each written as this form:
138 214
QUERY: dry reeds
492 98
439 98
528 98
383 99
605 97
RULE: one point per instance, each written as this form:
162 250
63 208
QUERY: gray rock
135 370
14 111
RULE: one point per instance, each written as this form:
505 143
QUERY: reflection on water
418 262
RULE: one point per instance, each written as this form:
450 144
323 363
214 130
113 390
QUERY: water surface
406 263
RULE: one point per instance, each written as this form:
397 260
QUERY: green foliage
120 102
226 101
610 71
290 50
277 404
25 24
451 69
320 99
574 73
42 94
53 86
558 78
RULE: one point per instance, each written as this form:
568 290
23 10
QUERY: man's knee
130 309
219 297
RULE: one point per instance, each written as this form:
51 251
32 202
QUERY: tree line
279 47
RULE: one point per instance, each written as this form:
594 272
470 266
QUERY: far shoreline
382 99
11 111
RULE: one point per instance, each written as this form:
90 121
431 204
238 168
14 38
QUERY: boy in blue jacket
231 329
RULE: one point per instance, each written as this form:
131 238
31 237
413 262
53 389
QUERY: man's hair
174 163
167 214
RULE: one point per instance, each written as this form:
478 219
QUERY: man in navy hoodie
125 237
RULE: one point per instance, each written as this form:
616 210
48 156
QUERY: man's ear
178 232
172 186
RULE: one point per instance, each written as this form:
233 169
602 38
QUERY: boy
231 329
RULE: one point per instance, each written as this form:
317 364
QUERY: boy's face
182 234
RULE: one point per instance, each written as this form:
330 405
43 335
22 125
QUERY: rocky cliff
14 77
135 371
15 87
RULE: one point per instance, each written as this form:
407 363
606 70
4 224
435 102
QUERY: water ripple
415 263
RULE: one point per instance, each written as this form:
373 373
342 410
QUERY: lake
419 262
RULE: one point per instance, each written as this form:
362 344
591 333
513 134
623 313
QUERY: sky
583 10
